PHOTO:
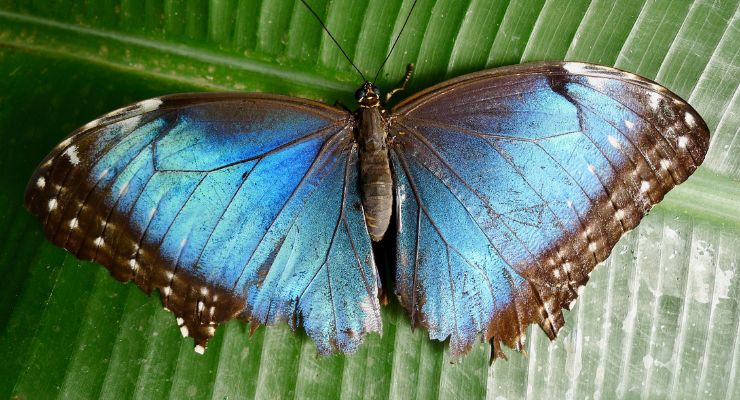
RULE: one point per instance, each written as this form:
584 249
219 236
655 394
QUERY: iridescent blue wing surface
513 183
232 205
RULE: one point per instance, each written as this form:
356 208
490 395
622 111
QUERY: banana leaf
659 319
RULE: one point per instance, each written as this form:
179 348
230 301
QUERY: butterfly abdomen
375 173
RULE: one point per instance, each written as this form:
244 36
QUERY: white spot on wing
199 349
619 215
629 124
71 153
184 331
167 290
53 204
149 105
644 186
682 141
180 321
99 241
592 169
664 163
614 142
654 100
130 124
575 68
690 120
41 182
74 223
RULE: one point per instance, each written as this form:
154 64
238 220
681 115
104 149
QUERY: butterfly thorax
375 173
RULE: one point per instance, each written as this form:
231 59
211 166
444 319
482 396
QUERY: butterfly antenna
332 38
395 42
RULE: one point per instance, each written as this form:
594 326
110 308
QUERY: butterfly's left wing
513 183
232 205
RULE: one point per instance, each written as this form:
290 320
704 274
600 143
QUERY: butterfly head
368 95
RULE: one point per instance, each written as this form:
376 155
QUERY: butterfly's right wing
513 183
232 205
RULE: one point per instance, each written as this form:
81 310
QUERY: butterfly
507 187
496 192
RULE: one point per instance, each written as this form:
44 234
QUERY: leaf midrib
265 69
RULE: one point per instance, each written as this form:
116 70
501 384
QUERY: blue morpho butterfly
506 187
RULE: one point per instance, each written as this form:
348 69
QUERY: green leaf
660 318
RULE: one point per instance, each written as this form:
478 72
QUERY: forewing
232 205
513 183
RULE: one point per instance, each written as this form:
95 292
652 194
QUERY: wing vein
352 241
245 177
187 199
313 134
322 151
583 190
471 132
642 117
325 264
465 207
112 181
118 198
129 212
72 140
423 209
415 282
639 150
